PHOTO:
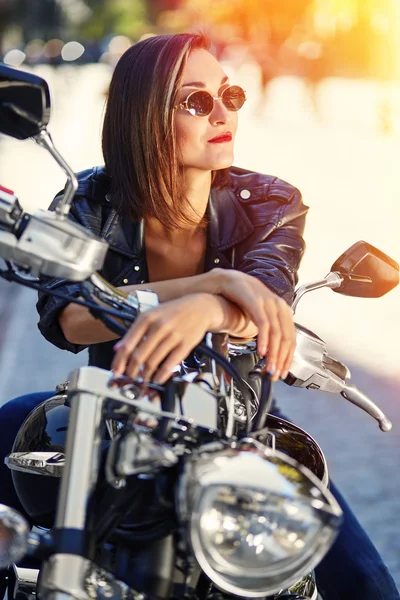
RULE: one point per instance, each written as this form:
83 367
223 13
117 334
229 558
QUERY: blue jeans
351 570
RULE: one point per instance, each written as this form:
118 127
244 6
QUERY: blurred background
323 84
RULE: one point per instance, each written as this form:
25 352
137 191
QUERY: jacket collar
228 222
123 235
228 225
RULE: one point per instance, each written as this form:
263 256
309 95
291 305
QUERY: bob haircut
138 140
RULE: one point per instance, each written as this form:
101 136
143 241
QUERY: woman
219 246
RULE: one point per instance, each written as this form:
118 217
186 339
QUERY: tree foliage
120 17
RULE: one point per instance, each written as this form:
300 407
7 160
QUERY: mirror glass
24 103
367 272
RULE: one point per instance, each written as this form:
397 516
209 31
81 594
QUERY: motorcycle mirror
24 103
14 531
366 271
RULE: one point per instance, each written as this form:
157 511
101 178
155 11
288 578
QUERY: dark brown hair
138 139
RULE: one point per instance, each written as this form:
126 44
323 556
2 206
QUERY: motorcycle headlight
257 520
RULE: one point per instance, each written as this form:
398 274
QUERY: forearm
177 288
226 317
80 327
229 317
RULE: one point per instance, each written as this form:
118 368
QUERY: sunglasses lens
200 104
234 97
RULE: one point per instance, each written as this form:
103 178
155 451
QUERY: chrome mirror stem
44 140
332 280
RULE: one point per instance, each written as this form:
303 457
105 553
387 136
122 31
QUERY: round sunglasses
201 103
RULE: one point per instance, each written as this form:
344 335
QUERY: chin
223 162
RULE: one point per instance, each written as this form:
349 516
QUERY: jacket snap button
137 268
125 281
216 260
245 194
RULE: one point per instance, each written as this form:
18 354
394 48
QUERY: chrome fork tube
82 456
63 574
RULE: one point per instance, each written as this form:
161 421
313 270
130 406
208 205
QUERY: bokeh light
72 51
14 57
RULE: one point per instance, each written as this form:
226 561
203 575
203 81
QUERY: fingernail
284 375
271 369
117 345
276 376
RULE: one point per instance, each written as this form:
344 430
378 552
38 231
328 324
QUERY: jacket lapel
228 226
123 235
228 222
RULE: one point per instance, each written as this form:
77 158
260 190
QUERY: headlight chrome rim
212 471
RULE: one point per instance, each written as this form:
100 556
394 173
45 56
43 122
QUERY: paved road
348 172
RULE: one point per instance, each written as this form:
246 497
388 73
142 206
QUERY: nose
219 113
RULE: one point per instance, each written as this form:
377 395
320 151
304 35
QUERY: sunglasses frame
184 105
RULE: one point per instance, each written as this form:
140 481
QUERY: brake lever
313 369
357 397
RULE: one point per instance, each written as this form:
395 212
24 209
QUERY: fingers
155 360
146 358
288 340
276 335
272 316
159 340
175 357
274 339
123 348
144 347
155 354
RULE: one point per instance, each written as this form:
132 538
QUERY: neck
198 186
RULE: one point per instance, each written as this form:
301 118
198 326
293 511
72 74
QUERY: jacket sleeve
48 306
274 253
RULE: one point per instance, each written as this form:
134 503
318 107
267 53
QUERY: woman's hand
162 337
272 316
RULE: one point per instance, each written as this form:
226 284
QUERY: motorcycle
189 490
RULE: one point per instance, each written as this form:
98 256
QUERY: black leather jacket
256 225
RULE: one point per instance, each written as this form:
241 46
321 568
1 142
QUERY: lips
221 138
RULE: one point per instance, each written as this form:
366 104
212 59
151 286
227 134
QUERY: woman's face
195 136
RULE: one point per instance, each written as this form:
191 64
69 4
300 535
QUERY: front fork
63 575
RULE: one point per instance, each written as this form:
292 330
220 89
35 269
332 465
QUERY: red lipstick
221 138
